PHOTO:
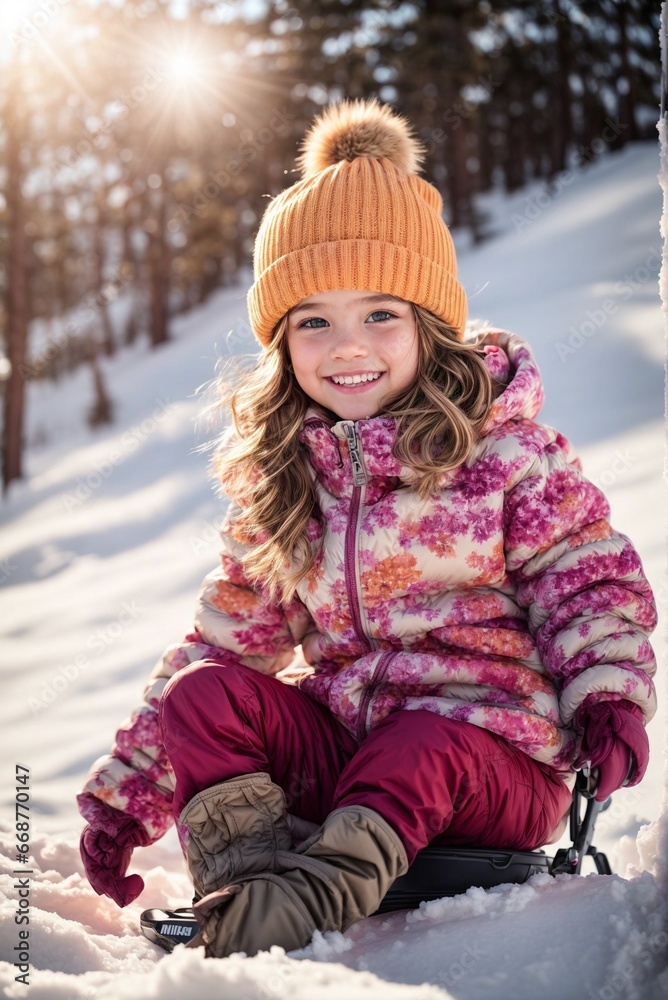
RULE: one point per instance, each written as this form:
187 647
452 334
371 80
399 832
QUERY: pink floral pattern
504 599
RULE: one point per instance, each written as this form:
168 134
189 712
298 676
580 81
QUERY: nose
347 344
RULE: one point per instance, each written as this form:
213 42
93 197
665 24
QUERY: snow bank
141 530
587 936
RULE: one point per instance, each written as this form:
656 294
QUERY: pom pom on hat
359 218
351 129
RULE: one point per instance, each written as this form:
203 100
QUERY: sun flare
183 66
13 13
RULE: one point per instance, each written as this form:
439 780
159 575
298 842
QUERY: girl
476 629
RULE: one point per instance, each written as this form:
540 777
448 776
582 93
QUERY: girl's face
353 351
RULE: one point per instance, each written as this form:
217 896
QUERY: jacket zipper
353 588
375 682
359 475
352 530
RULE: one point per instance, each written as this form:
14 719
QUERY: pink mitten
497 363
106 847
614 740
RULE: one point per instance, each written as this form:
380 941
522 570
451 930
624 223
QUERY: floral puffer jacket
504 599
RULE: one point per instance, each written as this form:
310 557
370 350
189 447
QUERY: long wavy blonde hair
265 468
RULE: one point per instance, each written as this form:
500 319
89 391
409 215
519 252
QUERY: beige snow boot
236 828
338 876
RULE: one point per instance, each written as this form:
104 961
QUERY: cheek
304 361
409 371
405 357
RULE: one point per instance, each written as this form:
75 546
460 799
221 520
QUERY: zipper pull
359 475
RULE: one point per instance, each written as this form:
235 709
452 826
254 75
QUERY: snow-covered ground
102 549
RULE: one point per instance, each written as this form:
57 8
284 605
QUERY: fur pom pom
359 128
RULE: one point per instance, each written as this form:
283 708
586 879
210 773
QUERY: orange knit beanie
360 218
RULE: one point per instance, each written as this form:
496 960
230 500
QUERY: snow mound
569 936
125 518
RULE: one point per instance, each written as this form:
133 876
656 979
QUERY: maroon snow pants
430 778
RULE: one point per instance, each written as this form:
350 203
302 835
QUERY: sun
183 66
13 13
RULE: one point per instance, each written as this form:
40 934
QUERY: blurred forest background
139 140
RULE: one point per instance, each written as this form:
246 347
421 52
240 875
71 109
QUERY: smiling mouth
354 379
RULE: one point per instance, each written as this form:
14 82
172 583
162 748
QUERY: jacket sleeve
590 607
235 616
234 625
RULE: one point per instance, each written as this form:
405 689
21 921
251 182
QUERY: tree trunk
108 342
158 278
455 159
626 101
513 164
485 152
562 125
102 410
17 292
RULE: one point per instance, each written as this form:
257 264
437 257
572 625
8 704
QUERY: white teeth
355 379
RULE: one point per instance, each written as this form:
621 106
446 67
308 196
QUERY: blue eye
318 319
313 319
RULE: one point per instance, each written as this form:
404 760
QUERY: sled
445 871
448 871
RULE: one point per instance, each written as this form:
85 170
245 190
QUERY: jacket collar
327 444
524 393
